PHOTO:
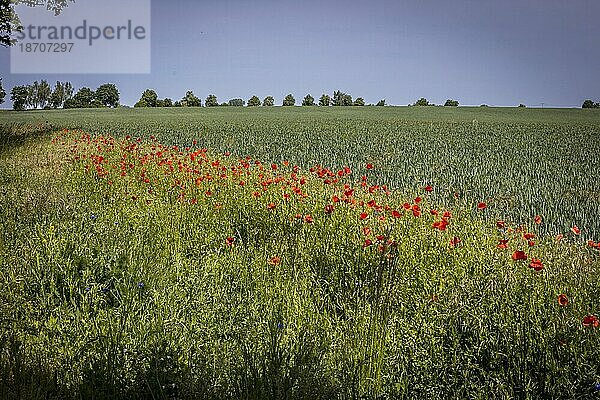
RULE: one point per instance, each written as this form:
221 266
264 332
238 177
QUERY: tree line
41 95
149 98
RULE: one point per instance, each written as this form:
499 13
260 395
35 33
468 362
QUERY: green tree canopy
254 101
82 99
190 100
236 102
108 95
590 104
381 103
211 101
289 100
359 101
2 92
268 101
308 100
341 99
324 100
450 103
422 102
18 95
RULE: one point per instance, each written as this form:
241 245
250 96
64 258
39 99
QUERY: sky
500 53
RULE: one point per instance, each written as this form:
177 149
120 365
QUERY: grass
133 269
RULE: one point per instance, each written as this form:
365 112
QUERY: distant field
522 162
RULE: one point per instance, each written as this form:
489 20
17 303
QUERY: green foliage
451 103
107 95
254 101
236 102
149 99
190 100
381 103
422 102
308 100
590 104
211 101
324 100
84 98
341 99
289 100
522 105
359 101
18 96
268 101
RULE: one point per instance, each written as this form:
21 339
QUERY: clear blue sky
495 52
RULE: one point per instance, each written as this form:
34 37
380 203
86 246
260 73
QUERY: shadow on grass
16 135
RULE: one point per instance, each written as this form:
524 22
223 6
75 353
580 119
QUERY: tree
190 100
149 99
359 101
211 101
341 99
522 105
43 93
422 102
324 100
451 103
308 100
590 104
57 98
68 90
82 99
167 102
254 101
18 95
9 20
2 92
381 103
107 95
237 102
268 101
289 100
32 95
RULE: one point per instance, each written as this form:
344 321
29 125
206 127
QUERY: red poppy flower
349 192
559 237
274 167
363 215
592 244
418 200
528 236
519 255
396 214
481 206
230 241
271 206
428 188
575 230
591 320
538 219
275 260
447 215
406 206
366 231
536 264
531 243
309 219
367 243
563 300
328 209
503 244
381 238
369 166
455 241
441 225
434 212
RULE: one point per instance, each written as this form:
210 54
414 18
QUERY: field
300 253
